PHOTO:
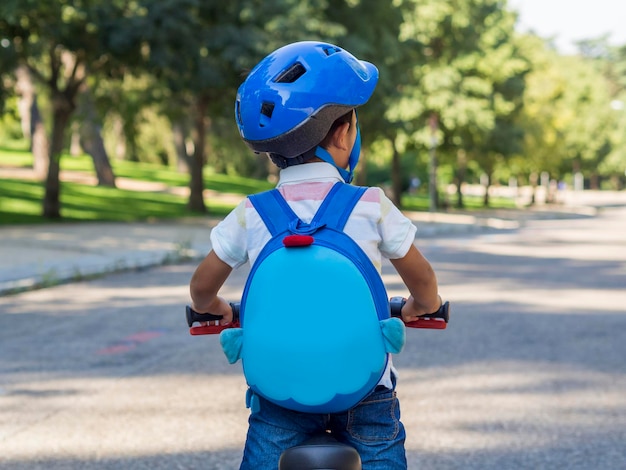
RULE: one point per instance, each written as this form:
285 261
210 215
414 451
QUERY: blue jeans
372 427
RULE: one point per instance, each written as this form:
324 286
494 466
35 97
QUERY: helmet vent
331 50
291 73
267 109
238 112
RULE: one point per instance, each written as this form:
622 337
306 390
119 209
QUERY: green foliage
570 118
508 105
10 129
20 200
463 83
40 31
467 71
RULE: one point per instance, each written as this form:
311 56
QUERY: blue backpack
315 322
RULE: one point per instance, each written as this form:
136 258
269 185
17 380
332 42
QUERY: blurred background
481 103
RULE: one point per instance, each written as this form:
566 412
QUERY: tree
62 43
544 116
614 166
8 63
33 127
587 137
370 30
467 75
569 119
199 50
90 137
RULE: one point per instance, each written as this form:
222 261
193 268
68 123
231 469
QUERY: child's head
291 99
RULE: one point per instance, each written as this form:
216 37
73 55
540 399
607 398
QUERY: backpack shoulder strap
333 212
273 210
338 205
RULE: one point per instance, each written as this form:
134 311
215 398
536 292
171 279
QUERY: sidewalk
44 255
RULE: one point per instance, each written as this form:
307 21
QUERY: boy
298 105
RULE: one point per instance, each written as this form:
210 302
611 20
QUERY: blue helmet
289 101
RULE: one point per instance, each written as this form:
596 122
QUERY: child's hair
283 162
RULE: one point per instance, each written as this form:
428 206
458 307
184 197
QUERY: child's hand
409 312
412 310
227 318
218 307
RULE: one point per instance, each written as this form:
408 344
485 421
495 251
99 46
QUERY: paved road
530 373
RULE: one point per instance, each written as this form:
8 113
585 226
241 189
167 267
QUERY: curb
68 274
64 254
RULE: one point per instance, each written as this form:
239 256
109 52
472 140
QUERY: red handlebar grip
431 323
211 329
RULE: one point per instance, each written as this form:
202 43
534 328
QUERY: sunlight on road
443 410
548 301
518 405
528 374
106 418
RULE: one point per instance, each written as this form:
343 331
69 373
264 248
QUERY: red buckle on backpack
298 240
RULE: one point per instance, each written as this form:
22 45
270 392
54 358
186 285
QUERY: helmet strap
355 154
353 160
323 154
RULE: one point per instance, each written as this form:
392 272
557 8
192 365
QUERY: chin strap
347 175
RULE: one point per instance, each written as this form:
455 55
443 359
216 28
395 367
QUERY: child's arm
421 281
205 283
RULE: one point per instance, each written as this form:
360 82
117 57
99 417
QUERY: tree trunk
25 89
51 200
487 186
533 179
75 148
433 190
183 160
119 149
33 127
91 140
461 171
62 110
63 102
196 183
39 144
460 203
361 174
396 176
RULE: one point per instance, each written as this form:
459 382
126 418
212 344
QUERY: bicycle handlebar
437 320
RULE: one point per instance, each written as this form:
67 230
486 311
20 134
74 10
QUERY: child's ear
340 136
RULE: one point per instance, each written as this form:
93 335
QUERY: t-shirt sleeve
397 231
229 237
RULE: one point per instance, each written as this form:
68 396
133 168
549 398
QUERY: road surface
530 373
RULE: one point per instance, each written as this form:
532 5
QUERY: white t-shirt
376 224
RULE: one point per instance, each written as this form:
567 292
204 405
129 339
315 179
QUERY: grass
21 158
21 203
21 200
420 202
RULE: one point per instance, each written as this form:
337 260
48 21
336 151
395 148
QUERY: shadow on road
529 374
